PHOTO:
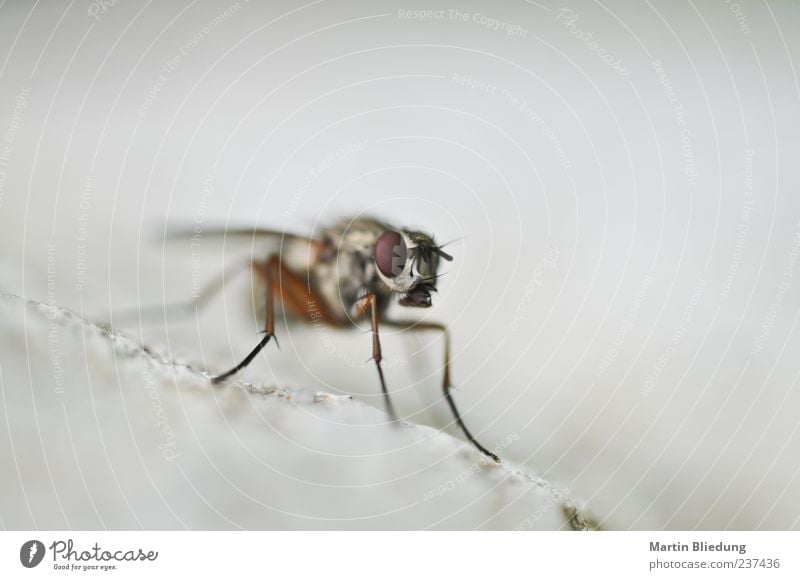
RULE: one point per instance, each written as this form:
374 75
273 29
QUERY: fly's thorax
345 270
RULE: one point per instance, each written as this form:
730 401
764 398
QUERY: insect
350 272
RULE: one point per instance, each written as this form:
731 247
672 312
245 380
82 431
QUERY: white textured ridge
99 433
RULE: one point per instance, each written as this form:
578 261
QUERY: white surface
605 301
101 435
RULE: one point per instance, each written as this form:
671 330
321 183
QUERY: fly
349 272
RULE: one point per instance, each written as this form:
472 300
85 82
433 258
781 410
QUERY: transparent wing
241 232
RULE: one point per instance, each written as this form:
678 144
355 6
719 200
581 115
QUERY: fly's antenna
425 249
442 253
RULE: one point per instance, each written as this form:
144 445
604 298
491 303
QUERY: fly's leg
269 331
446 386
183 309
370 301
285 285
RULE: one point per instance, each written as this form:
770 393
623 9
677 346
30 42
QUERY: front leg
370 301
446 386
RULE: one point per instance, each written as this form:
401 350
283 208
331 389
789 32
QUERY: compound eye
391 254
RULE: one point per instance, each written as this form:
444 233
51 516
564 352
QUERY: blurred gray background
620 184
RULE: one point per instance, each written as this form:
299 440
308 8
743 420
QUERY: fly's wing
297 252
187 232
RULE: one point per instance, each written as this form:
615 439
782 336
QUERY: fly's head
407 262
